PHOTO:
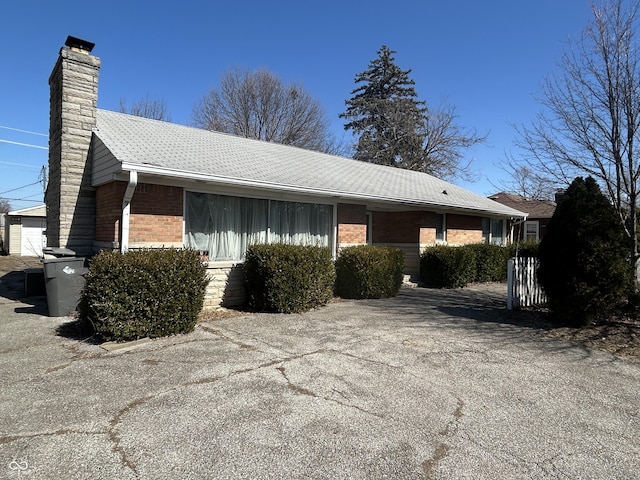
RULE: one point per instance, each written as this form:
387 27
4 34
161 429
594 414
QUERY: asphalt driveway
430 384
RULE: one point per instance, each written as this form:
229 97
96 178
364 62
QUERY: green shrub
584 267
144 293
288 278
443 266
491 262
367 271
523 249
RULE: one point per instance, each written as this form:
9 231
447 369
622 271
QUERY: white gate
523 289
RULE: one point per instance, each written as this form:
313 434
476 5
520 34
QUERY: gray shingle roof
161 148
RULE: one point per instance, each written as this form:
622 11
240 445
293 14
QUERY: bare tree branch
258 105
147 108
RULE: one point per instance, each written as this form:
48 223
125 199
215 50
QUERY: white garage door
33 238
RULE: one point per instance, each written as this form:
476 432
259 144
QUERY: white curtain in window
298 223
224 226
497 230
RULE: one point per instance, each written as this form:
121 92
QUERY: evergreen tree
395 128
386 113
583 257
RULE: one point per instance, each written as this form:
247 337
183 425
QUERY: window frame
249 194
443 232
528 223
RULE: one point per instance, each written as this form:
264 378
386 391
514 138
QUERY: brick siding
352 224
156 214
463 229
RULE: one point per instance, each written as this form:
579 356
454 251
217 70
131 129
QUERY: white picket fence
522 286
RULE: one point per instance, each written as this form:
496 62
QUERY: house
539 212
120 182
24 232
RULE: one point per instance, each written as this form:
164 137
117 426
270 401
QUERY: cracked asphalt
431 384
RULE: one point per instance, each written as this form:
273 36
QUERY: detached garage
25 231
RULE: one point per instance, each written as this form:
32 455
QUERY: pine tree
583 257
386 114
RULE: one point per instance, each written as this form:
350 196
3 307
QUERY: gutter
230 181
126 210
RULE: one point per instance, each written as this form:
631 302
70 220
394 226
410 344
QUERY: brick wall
396 227
156 214
352 224
463 229
109 208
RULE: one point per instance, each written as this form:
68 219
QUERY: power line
24 186
21 200
20 165
24 144
24 131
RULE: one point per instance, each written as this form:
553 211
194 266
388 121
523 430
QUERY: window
225 226
531 230
493 231
440 227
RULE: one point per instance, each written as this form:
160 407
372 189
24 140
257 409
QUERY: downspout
126 210
516 221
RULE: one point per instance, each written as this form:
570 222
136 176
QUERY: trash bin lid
58 251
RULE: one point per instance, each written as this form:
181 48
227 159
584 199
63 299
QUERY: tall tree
583 257
590 122
395 128
258 105
386 114
147 107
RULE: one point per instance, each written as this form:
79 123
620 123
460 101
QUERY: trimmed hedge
523 249
367 271
443 266
288 278
491 262
143 293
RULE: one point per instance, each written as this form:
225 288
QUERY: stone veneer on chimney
70 198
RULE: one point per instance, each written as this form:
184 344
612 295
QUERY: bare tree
523 180
444 145
258 105
5 206
147 108
591 118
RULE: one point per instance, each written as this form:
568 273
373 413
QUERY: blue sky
488 59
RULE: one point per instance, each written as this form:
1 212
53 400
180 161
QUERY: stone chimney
70 198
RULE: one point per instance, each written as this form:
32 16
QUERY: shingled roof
533 208
170 150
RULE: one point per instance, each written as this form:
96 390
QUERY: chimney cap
78 43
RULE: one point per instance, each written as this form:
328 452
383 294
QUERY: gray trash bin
64 280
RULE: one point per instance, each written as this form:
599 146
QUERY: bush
491 262
443 266
584 268
523 249
367 271
288 278
144 293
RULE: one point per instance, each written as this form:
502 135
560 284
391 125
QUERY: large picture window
225 226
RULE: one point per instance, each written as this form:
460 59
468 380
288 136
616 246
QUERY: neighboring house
119 182
25 232
539 212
